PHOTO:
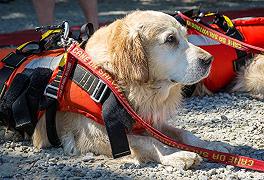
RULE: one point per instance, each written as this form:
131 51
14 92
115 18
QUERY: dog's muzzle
206 61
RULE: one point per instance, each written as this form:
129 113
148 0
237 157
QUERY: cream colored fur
251 78
150 58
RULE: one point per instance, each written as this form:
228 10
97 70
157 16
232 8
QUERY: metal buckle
49 94
96 89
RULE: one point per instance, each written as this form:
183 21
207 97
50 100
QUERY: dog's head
152 46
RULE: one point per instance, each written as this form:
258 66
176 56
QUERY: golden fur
251 78
148 55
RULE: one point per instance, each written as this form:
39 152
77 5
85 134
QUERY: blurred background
20 14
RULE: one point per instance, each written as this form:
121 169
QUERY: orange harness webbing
75 99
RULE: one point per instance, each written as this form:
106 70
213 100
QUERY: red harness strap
223 39
226 158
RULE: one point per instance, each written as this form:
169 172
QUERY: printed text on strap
190 23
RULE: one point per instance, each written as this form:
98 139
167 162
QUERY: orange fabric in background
252 30
222 72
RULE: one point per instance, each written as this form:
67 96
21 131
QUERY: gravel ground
234 119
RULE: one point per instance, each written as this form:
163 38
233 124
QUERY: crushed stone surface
234 119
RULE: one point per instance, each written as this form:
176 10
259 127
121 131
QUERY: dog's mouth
198 77
173 81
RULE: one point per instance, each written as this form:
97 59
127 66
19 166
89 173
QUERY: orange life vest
74 98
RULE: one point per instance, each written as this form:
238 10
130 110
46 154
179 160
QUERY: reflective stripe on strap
236 160
90 83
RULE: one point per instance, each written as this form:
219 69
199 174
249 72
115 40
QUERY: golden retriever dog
148 55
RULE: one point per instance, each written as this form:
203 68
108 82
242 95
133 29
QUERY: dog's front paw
220 146
181 159
258 96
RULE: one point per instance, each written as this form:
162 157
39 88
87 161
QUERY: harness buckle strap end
52 87
49 93
99 92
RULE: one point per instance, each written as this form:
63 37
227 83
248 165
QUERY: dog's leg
91 137
187 137
146 148
40 138
69 144
77 134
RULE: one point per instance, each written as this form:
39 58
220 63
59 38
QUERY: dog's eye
171 39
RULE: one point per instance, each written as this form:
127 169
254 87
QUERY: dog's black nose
207 61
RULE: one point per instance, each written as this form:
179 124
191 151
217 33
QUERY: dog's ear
128 57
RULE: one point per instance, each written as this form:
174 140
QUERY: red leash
221 38
74 51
